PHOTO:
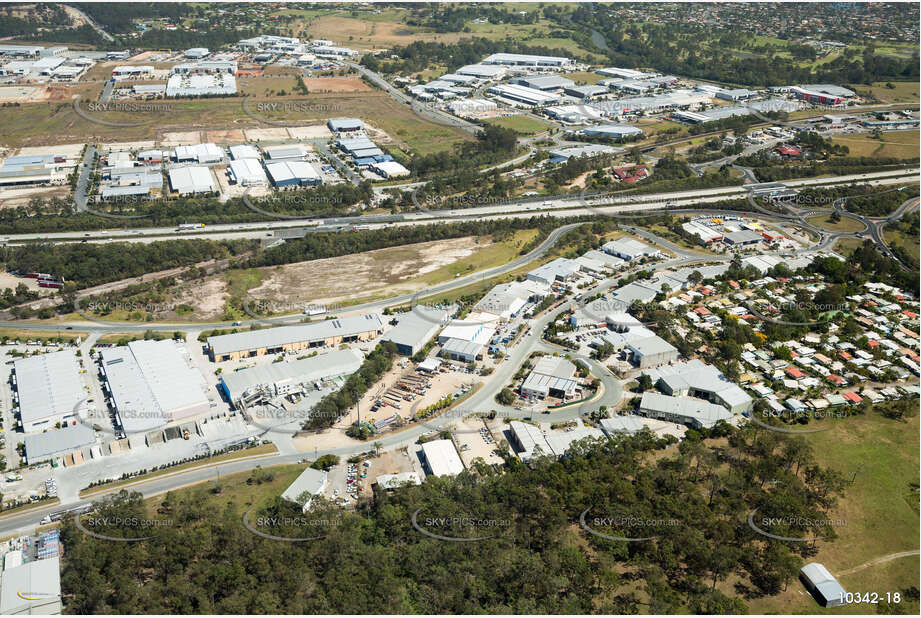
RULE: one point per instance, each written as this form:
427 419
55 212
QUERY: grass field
41 335
880 510
845 246
904 92
41 124
584 77
900 144
521 124
896 237
846 224
235 490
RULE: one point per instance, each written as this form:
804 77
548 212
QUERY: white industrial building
559 270
506 299
389 169
201 84
544 83
624 73
248 172
614 131
483 71
441 458
49 390
57 442
527 60
694 378
151 383
292 173
619 425
189 180
558 155
462 350
203 153
414 329
552 376
652 351
629 249
33 588
523 94
265 381
197 52
244 151
529 440
310 483
695 413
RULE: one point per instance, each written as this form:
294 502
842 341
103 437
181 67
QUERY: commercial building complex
523 94
57 442
247 172
263 382
188 180
686 410
527 60
49 390
413 330
629 249
694 378
292 174
151 383
292 338
552 376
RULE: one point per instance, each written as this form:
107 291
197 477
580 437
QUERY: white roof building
153 383
687 410
244 151
187 180
441 458
33 588
49 389
309 484
248 172
629 249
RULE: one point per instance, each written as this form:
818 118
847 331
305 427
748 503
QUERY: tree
506 396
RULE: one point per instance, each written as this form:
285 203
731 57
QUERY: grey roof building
57 442
413 331
462 350
33 588
544 82
822 585
345 124
281 378
290 338
629 424
652 352
694 378
742 237
686 410
529 440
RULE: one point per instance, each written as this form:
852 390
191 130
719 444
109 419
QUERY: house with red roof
795 373
845 356
788 151
836 379
852 398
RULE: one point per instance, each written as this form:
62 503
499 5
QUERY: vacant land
521 124
900 144
903 92
846 224
910 243
880 509
41 124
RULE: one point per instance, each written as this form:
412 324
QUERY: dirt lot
336 84
12 198
349 277
231 136
9 281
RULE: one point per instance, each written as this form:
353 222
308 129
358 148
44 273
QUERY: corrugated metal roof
283 335
48 385
305 370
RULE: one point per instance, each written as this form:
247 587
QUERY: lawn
910 243
234 489
904 92
880 510
38 124
584 77
899 144
521 124
845 246
40 335
846 224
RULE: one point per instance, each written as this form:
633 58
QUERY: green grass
239 282
904 92
910 243
236 491
899 144
584 77
521 124
846 224
880 509
490 256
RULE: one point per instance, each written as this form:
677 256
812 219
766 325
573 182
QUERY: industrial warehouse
151 383
260 384
331 333
49 390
